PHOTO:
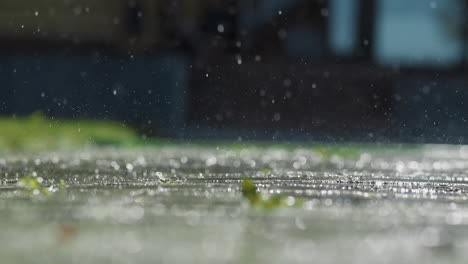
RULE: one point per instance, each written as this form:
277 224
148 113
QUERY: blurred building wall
310 69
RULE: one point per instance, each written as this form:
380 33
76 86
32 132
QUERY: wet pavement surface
183 204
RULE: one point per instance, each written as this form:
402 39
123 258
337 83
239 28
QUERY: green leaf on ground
33 185
257 199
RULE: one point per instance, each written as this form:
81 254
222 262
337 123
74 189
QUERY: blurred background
338 70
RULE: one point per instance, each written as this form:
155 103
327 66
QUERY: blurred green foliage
37 132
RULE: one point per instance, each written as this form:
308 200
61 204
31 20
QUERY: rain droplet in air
220 28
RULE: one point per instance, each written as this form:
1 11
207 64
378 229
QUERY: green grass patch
37 132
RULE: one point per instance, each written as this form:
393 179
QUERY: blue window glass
418 32
343 25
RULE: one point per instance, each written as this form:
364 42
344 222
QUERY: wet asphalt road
182 204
